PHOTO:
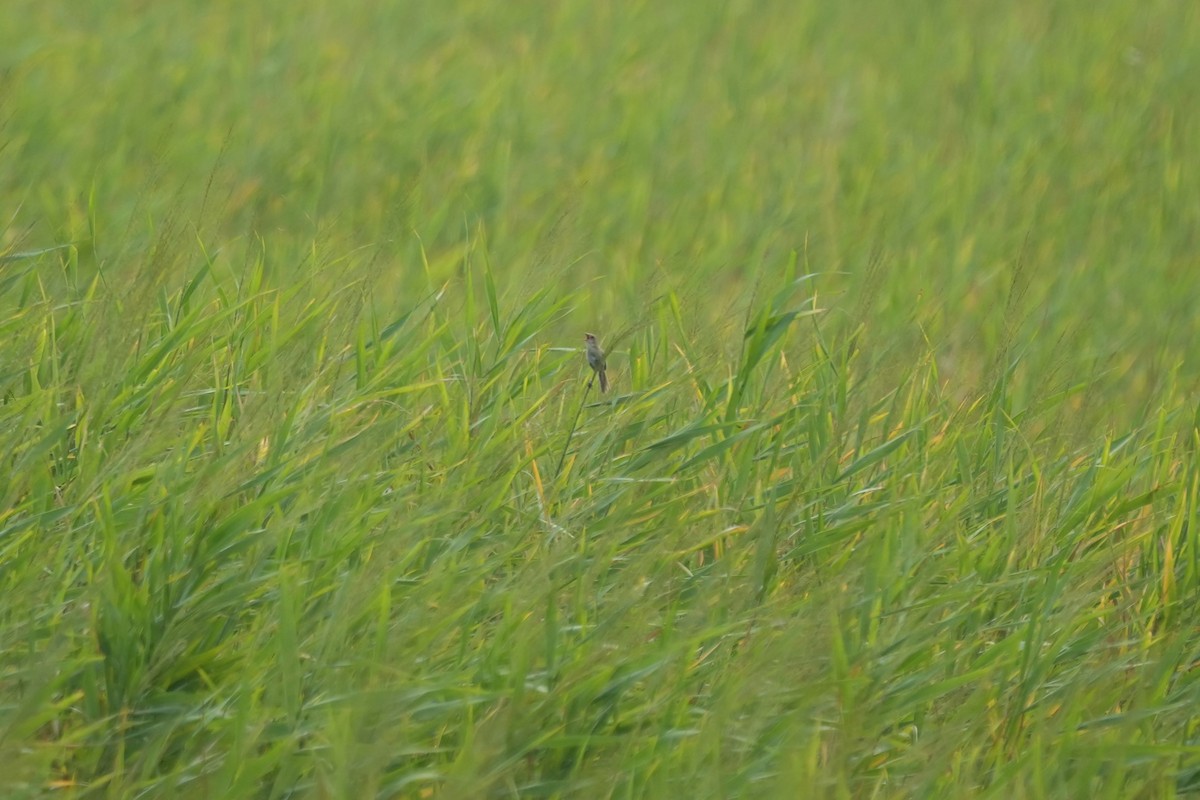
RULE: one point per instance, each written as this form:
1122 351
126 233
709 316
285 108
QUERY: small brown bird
595 357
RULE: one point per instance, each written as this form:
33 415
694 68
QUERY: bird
595 357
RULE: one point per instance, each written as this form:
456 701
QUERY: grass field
304 492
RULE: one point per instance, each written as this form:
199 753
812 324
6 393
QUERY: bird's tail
603 381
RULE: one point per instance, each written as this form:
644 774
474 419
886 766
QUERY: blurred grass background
302 495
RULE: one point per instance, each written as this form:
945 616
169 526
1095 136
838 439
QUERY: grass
304 492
